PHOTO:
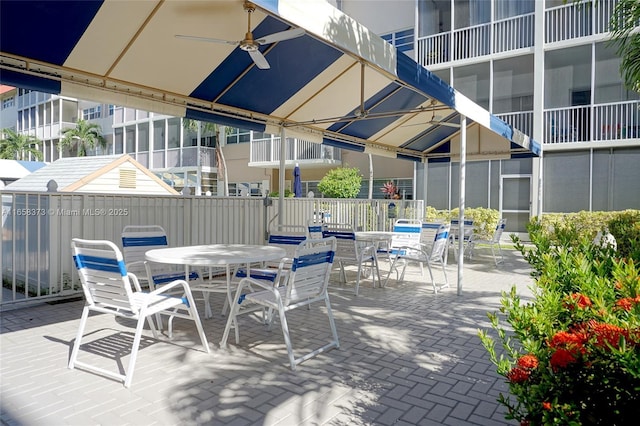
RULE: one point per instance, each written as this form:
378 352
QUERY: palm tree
87 135
624 23
18 146
208 127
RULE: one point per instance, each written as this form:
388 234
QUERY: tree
85 135
626 39
18 146
208 127
343 182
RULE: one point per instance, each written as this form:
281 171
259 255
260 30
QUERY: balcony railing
522 120
601 122
267 152
565 22
508 34
573 20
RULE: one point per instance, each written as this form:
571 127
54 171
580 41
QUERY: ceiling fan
439 122
250 44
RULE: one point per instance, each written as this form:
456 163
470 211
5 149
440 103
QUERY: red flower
546 405
518 375
578 299
563 339
626 303
528 361
561 358
606 334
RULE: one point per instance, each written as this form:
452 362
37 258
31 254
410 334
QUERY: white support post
463 160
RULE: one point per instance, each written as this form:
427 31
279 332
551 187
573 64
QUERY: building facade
547 68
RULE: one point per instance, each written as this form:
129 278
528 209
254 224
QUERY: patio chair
315 229
467 239
138 239
493 242
287 237
307 283
406 248
351 252
110 289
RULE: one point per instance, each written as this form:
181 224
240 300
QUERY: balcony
592 123
265 152
570 21
472 42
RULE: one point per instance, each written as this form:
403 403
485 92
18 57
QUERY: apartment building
547 68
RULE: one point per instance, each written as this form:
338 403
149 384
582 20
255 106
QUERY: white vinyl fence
37 228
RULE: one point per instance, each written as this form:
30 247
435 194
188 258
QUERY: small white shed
119 174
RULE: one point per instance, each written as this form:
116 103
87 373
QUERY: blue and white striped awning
338 84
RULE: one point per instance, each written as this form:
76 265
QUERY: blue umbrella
297 182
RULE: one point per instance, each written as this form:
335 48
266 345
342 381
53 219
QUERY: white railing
472 42
37 228
267 150
513 33
509 34
522 121
572 20
434 49
612 121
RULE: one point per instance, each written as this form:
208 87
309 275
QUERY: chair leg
332 322
433 282
393 264
285 333
444 271
194 315
232 320
134 349
76 345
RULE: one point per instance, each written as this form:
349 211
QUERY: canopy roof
338 84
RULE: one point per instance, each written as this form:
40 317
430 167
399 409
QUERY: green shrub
625 227
484 220
572 354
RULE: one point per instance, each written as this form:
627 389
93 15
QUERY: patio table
216 255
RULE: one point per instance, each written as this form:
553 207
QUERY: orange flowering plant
571 354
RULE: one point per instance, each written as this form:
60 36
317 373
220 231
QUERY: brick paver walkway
407 357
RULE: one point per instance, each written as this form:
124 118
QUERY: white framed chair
454 236
138 239
315 229
407 248
351 252
492 243
287 237
110 289
306 283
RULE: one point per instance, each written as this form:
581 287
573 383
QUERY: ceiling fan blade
281 36
444 123
207 39
259 59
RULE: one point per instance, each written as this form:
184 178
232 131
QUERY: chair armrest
251 282
134 279
176 283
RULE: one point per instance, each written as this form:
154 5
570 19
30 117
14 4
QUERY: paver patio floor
407 357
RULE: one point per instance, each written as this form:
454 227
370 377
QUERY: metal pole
463 160
283 153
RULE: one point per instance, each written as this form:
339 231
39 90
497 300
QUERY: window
8 102
92 113
111 109
403 40
238 136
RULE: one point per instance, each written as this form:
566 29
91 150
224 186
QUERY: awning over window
337 84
